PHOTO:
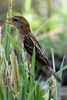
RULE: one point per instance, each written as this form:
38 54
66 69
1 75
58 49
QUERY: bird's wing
29 43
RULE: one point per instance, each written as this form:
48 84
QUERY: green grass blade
15 46
60 74
32 90
7 44
25 83
32 76
58 86
8 28
2 93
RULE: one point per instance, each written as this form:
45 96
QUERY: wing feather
29 43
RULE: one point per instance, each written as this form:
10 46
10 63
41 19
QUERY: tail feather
55 75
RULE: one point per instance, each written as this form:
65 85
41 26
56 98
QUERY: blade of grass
32 76
25 84
15 46
15 72
33 89
62 69
40 93
33 63
60 74
8 28
2 93
7 45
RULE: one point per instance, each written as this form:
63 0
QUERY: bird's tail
55 75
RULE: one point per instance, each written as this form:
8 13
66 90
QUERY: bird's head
18 22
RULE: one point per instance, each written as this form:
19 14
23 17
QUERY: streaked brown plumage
29 41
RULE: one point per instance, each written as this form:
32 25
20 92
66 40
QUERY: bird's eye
15 19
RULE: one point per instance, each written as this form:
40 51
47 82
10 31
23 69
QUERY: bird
29 41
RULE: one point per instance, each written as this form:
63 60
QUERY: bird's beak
9 20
